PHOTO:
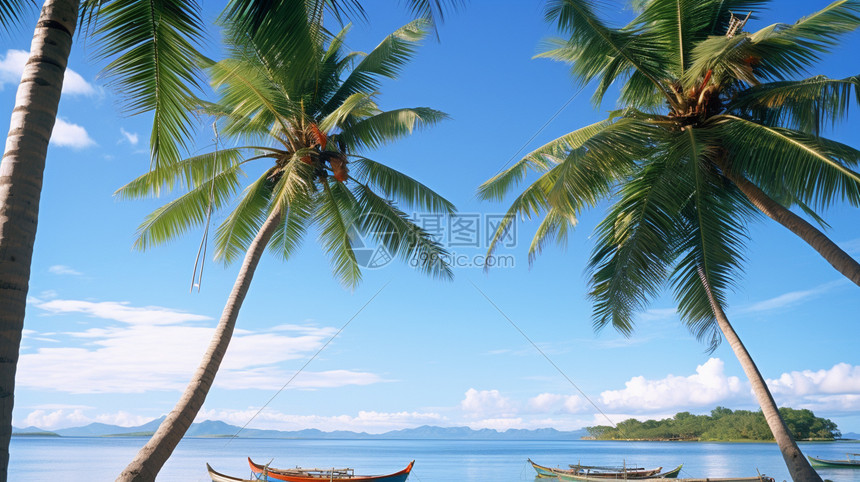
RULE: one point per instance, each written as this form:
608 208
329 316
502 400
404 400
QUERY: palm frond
593 47
804 105
386 60
155 66
816 171
239 228
12 11
711 240
404 189
635 245
392 228
178 216
189 173
539 160
337 211
388 126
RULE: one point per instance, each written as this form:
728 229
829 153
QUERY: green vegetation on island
722 424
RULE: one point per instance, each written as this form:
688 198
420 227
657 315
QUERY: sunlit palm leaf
155 65
394 184
386 60
236 232
388 126
178 216
814 170
392 228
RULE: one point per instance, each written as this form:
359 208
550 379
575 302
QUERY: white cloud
120 311
834 389
486 403
554 403
12 68
130 137
790 299
66 134
154 348
65 417
62 269
708 387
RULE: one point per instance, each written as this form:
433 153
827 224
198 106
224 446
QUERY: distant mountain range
212 428
851 436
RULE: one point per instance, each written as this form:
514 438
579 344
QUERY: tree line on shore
722 424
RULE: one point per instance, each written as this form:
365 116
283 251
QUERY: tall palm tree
308 120
149 44
708 114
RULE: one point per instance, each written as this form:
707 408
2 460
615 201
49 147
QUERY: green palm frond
337 211
391 227
537 161
386 60
280 28
236 232
554 228
357 106
599 51
176 217
531 202
395 184
814 170
634 248
804 105
12 11
384 127
294 225
254 103
776 52
711 238
155 66
189 173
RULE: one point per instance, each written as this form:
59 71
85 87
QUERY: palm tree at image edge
680 181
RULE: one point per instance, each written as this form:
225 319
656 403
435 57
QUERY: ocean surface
102 459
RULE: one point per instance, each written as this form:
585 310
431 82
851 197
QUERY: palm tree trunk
830 251
21 174
798 466
155 453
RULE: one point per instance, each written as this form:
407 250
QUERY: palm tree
149 44
309 120
708 115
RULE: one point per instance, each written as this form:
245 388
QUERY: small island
722 424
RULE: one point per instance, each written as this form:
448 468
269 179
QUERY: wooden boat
218 477
670 474
600 472
758 478
849 462
300 474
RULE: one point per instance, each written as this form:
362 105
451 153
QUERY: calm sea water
101 459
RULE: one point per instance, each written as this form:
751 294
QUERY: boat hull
218 477
550 472
273 474
583 478
844 464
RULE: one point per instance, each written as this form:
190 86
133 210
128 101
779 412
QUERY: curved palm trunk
21 174
830 251
797 464
155 453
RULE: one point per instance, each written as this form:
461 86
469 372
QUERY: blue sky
112 334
